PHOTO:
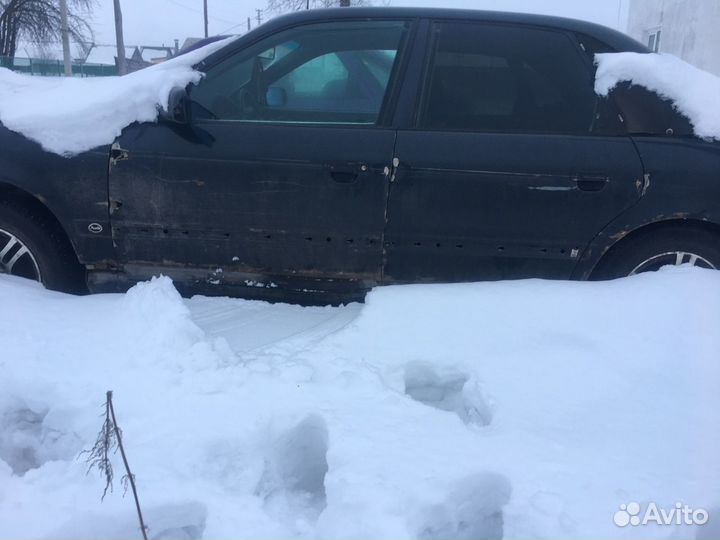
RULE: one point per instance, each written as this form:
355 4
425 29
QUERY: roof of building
189 42
105 54
156 54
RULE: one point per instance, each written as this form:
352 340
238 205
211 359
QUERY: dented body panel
501 206
73 189
313 203
682 184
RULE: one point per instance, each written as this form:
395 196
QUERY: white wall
690 29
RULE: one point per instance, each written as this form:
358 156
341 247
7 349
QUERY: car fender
73 189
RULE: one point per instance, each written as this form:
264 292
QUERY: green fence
55 68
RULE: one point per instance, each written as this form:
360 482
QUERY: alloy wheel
675 258
16 258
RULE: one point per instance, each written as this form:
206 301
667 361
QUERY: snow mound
514 409
694 92
70 115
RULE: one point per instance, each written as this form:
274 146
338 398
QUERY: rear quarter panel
683 183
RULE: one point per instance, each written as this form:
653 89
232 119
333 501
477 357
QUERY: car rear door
282 167
512 166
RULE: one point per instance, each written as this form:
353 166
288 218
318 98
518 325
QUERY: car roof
617 41
613 38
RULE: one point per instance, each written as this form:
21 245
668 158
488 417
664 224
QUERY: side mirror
276 96
268 55
177 107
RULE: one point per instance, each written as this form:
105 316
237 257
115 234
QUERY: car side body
286 187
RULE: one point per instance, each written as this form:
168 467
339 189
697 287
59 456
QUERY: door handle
343 177
590 182
345 173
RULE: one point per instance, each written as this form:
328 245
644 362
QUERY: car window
485 77
330 73
379 63
315 76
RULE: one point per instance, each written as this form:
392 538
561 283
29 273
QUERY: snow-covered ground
524 409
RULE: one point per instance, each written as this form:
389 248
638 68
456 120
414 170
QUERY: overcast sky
158 22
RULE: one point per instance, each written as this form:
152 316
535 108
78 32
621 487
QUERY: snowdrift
68 116
523 409
694 92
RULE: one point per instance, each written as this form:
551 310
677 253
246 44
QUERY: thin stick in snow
110 439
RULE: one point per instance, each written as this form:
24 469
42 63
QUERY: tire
35 248
668 245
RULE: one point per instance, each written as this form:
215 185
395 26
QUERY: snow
68 116
694 92
523 409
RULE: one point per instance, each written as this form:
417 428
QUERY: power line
199 12
232 27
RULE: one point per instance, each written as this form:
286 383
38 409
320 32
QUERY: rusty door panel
274 199
494 206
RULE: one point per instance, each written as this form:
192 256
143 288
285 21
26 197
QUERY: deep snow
693 92
71 115
523 409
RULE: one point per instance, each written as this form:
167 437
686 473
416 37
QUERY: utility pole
259 16
65 34
206 18
248 24
119 39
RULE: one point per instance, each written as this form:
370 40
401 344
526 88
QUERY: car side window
485 77
335 72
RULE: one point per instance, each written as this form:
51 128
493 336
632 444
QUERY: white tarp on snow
72 115
525 409
694 92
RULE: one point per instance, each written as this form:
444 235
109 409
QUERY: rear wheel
32 247
672 245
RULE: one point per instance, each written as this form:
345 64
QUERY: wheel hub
16 258
673 258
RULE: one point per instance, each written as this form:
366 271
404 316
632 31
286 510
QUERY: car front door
513 165
280 170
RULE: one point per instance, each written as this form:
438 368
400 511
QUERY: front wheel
31 247
672 245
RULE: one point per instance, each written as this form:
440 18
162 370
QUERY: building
189 42
137 57
689 29
105 54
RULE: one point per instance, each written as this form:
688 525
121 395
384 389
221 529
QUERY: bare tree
284 6
40 21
